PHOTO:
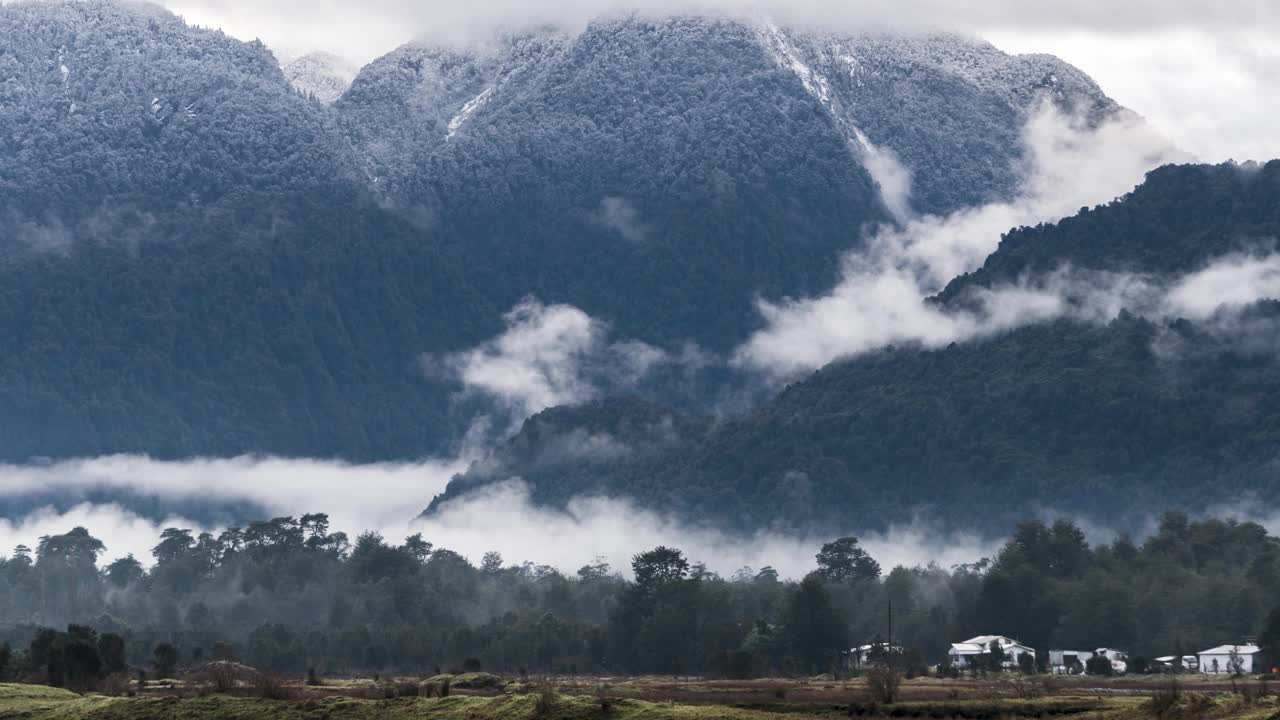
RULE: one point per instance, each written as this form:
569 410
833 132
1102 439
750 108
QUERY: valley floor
664 699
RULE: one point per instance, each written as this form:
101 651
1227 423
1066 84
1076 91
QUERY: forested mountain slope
1179 219
1101 420
1109 420
123 124
198 258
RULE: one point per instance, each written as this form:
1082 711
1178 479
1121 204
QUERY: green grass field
34 702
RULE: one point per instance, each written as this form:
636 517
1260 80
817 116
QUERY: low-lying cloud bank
386 499
502 518
373 496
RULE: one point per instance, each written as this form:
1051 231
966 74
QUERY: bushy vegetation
288 595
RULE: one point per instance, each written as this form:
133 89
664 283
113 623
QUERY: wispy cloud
882 297
1233 280
548 355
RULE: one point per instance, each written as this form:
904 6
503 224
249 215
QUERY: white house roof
981 645
986 640
1226 650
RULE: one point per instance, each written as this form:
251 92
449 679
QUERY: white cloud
620 216
549 355
502 518
1234 280
122 531
386 499
881 299
376 496
1211 93
365 29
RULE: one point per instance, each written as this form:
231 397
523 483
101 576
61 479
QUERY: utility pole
890 648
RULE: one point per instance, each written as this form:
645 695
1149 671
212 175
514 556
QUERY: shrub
271 686
221 676
407 689
545 700
605 702
114 685
1164 702
883 683
472 665
165 658
1098 665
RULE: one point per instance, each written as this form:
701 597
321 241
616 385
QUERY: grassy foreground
62 705
34 702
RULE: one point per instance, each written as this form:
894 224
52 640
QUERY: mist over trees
289 594
1081 416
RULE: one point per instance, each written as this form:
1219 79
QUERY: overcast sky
1204 72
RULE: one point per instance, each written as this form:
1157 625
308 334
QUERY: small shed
1068 662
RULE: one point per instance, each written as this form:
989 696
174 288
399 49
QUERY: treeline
288 595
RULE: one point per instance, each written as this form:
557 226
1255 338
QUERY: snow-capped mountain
166 190
946 110
321 75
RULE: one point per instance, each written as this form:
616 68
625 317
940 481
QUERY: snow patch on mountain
322 75
468 109
788 57
853 76
893 178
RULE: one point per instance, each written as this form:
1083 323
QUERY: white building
971 651
863 654
1068 662
1219 660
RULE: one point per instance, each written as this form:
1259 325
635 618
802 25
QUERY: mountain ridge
1067 415
202 260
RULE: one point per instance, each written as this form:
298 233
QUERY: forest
246 270
1103 420
290 595
1084 415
